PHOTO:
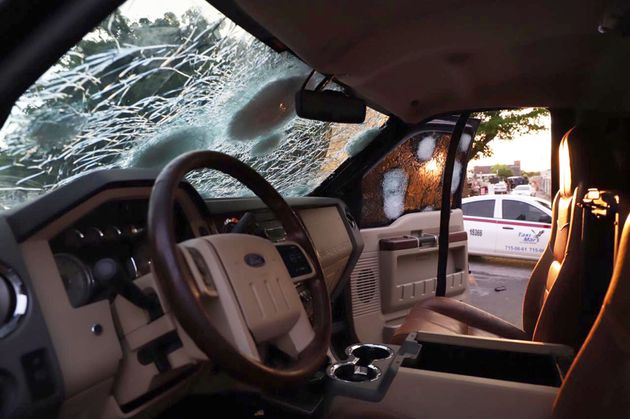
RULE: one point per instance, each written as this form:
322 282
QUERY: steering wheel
232 292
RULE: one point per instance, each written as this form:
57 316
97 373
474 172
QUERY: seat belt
445 210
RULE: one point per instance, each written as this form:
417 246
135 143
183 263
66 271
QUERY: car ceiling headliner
420 58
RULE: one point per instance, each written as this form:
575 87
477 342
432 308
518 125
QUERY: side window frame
443 126
345 182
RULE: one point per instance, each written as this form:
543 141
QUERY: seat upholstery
552 299
598 382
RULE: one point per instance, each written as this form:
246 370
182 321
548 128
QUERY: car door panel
481 235
480 223
398 211
524 238
398 268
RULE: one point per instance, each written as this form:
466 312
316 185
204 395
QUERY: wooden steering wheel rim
172 275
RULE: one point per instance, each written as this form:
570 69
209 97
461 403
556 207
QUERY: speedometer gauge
76 277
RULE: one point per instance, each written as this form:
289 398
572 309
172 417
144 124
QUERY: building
542 184
486 170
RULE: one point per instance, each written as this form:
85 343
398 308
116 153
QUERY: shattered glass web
409 179
89 117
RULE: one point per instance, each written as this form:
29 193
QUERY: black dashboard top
27 219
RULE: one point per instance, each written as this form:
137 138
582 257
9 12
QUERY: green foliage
502 170
504 125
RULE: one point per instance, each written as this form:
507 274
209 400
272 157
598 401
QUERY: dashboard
78 333
113 234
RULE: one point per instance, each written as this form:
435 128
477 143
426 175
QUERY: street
498 286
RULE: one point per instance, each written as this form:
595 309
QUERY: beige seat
552 300
598 383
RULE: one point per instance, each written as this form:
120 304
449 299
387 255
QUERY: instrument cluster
107 247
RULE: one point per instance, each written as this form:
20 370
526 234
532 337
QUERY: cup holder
359 367
354 373
370 352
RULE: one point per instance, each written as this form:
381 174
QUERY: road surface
488 274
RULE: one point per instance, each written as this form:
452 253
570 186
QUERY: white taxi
507 225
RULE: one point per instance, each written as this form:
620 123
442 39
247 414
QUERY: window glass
408 179
544 203
483 208
158 79
517 210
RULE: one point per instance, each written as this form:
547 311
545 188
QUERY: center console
434 375
369 369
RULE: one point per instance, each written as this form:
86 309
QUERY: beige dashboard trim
332 242
85 359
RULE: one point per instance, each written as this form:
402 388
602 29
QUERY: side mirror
545 219
329 106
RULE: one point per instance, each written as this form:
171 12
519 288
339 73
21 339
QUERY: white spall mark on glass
425 148
464 142
457 173
394 188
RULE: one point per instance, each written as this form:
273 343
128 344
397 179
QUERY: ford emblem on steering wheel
254 260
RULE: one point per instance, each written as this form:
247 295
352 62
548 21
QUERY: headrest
564 167
598 147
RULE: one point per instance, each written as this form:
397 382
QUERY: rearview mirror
329 106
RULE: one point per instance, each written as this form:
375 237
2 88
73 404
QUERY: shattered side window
158 79
409 178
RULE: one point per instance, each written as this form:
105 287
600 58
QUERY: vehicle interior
253 209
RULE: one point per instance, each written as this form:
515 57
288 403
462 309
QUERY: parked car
514 181
509 226
500 187
524 190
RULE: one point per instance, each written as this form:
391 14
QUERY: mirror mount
328 105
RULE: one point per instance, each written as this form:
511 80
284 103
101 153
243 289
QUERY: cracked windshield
157 79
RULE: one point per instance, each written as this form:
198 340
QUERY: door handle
507 228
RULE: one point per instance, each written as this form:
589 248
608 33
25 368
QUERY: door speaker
366 285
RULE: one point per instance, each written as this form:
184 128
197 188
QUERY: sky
533 150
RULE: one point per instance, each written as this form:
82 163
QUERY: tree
502 170
504 125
